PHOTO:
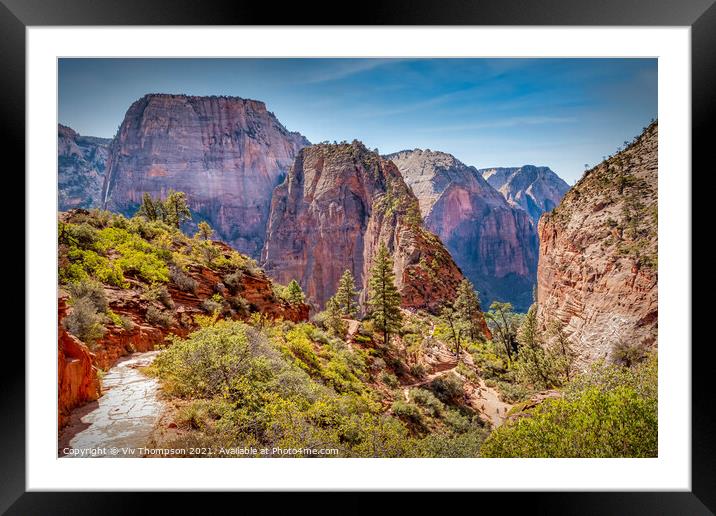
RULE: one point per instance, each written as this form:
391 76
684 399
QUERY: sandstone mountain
226 153
597 271
337 204
494 244
81 163
534 189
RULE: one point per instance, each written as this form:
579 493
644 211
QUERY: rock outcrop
226 153
597 273
494 244
337 204
81 163
534 189
77 380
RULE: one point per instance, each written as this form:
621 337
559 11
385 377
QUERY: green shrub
389 379
160 293
427 400
407 412
92 290
448 388
165 319
210 305
84 322
234 279
239 304
182 280
609 412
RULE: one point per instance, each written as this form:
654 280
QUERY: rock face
597 271
81 164
534 189
226 153
494 244
77 380
337 204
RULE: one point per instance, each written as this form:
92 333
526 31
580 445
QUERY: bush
182 280
160 293
417 370
239 304
628 353
210 305
448 388
427 399
389 379
407 412
84 322
234 279
165 319
91 290
609 412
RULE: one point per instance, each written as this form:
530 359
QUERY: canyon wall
597 273
494 244
226 153
338 203
81 164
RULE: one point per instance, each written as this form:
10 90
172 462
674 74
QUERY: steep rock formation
337 204
597 271
534 189
494 244
81 163
226 153
77 380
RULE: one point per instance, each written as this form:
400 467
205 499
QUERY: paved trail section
122 419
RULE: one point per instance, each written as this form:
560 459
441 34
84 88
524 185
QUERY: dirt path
122 419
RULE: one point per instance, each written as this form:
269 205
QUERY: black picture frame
700 15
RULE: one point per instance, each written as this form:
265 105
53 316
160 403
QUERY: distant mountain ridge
534 189
494 244
81 165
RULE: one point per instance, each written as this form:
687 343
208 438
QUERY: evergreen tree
536 364
151 209
333 320
504 324
294 294
384 301
176 209
458 327
346 295
205 232
467 308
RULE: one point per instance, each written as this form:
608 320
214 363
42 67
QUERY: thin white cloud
348 69
501 123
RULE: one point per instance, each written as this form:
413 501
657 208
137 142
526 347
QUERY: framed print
440 248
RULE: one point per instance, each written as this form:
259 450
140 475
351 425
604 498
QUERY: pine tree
467 306
205 231
294 294
334 322
384 301
346 295
176 209
150 209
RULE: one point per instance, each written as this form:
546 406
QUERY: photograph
357 257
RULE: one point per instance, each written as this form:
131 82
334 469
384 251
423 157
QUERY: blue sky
561 113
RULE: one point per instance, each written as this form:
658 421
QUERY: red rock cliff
597 270
338 203
226 153
494 243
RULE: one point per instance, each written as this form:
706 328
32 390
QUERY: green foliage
503 323
91 290
84 322
158 292
173 210
384 299
467 308
408 412
331 319
609 412
182 280
163 318
448 388
389 379
294 294
205 232
427 399
345 297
